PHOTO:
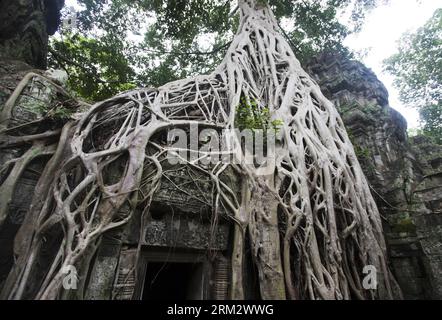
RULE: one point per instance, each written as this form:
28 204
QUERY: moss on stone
404 226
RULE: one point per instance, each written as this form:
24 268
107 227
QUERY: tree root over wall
312 223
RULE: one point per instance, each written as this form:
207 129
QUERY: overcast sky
380 33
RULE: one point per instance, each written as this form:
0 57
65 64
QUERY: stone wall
428 191
11 73
24 29
38 92
179 223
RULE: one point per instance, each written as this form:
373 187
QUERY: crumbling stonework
405 176
11 73
24 29
38 96
429 222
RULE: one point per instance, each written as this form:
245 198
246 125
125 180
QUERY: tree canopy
121 44
417 68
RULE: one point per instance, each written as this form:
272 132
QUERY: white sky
72 3
380 33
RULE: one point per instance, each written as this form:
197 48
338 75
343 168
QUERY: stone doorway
173 281
179 276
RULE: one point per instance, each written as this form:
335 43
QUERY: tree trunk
314 202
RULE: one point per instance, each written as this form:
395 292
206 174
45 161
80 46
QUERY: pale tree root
311 220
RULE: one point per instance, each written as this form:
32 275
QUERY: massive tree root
311 220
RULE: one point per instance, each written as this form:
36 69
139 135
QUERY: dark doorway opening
173 281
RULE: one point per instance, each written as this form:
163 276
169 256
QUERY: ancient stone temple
184 254
175 247
184 249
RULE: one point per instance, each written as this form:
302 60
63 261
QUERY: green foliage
418 71
249 115
61 113
317 28
360 152
413 132
431 116
54 112
120 44
405 226
96 71
45 101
